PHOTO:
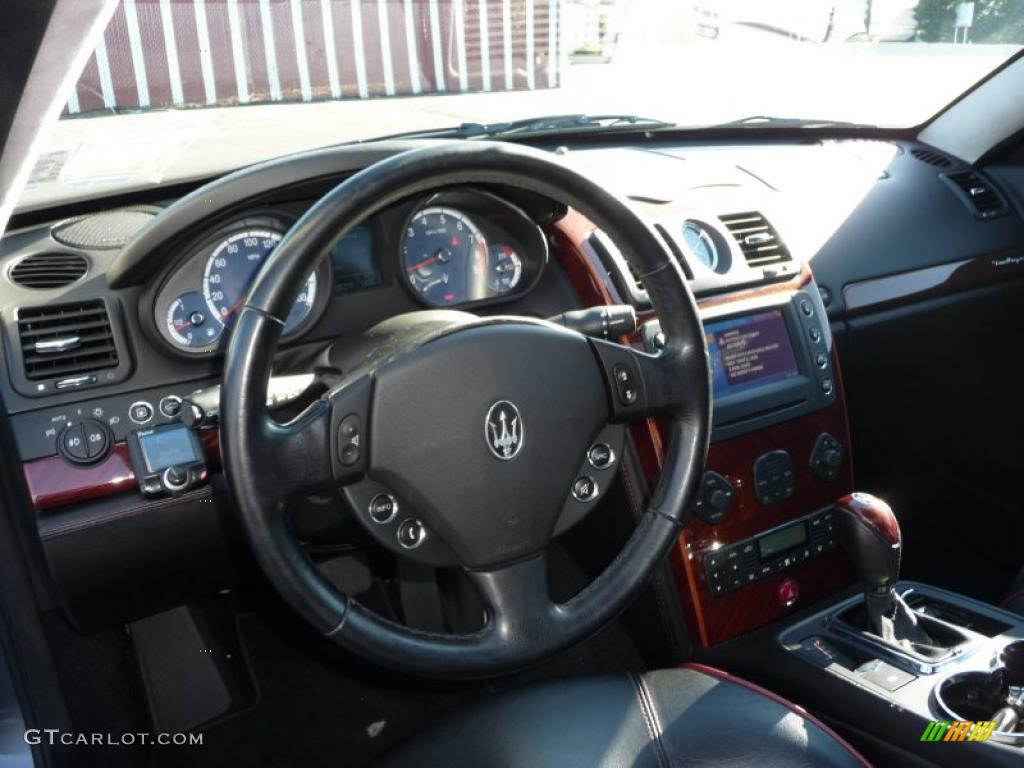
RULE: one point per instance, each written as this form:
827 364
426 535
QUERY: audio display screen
780 541
749 352
165 447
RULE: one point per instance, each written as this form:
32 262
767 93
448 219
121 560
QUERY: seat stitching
650 720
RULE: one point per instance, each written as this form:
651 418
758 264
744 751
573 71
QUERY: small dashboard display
776 543
353 262
165 447
749 352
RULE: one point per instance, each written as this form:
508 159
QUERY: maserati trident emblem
503 429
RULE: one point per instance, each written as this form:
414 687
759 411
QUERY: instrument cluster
458 248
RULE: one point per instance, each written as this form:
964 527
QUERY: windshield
178 89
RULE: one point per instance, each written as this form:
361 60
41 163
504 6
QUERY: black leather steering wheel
421 405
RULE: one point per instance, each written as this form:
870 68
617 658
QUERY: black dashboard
160 279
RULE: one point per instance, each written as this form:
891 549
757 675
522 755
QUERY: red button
788 592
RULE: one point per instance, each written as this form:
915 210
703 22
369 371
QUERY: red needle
232 309
423 263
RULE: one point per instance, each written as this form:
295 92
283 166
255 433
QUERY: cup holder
978 695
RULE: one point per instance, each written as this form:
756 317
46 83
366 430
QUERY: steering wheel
418 415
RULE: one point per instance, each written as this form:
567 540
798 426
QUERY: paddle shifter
871 537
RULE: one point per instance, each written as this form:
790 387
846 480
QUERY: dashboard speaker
110 229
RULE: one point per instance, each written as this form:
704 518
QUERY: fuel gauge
505 268
190 322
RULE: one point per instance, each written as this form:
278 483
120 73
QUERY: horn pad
483 430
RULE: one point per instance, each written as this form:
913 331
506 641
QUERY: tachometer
190 322
445 257
232 267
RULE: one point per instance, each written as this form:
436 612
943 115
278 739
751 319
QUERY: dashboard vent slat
757 239
66 339
931 157
49 270
978 193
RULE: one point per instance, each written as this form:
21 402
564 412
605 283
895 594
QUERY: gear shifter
871 537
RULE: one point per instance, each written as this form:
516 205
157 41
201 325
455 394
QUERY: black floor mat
320 706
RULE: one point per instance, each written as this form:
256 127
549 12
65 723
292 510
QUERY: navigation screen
352 259
750 351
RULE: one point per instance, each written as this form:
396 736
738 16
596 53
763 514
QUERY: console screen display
750 351
353 263
778 542
167 447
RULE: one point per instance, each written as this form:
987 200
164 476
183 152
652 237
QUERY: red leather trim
794 708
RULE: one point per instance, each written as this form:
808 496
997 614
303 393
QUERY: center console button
826 457
170 406
140 412
714 499
774 480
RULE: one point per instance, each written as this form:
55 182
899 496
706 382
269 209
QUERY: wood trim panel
714 620
54 483
931 282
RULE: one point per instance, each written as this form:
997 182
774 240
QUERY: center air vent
66 340
760 243
49 270
977 192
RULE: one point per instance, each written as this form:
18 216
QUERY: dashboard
461 249
787 247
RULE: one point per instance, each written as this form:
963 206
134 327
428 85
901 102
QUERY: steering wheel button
349 455
411 533
600 456
383 508
584 488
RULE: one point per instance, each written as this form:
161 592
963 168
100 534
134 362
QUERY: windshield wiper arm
553 124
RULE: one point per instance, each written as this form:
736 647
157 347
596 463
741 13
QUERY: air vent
760 243
66 339
978 193
931 157
49 270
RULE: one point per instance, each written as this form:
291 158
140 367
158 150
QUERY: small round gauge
506 268
232 267
701 244
190 322
445 257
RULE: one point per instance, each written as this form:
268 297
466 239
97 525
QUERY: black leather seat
691 716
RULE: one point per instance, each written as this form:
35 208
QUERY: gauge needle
419 264
232 309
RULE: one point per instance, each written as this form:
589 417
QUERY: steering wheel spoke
640 384
517 598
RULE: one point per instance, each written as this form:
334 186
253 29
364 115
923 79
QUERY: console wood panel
713 620
54 483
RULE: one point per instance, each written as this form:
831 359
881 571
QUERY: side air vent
978 193
760 243
931 157
49 270
66 340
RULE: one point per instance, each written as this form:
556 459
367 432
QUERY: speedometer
232 267
445 257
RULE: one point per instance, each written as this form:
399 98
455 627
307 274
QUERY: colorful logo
962 730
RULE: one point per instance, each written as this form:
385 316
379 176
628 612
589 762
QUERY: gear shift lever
871 537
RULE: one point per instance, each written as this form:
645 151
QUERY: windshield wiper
548 124
772 121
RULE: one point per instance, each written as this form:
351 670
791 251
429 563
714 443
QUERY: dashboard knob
175 479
